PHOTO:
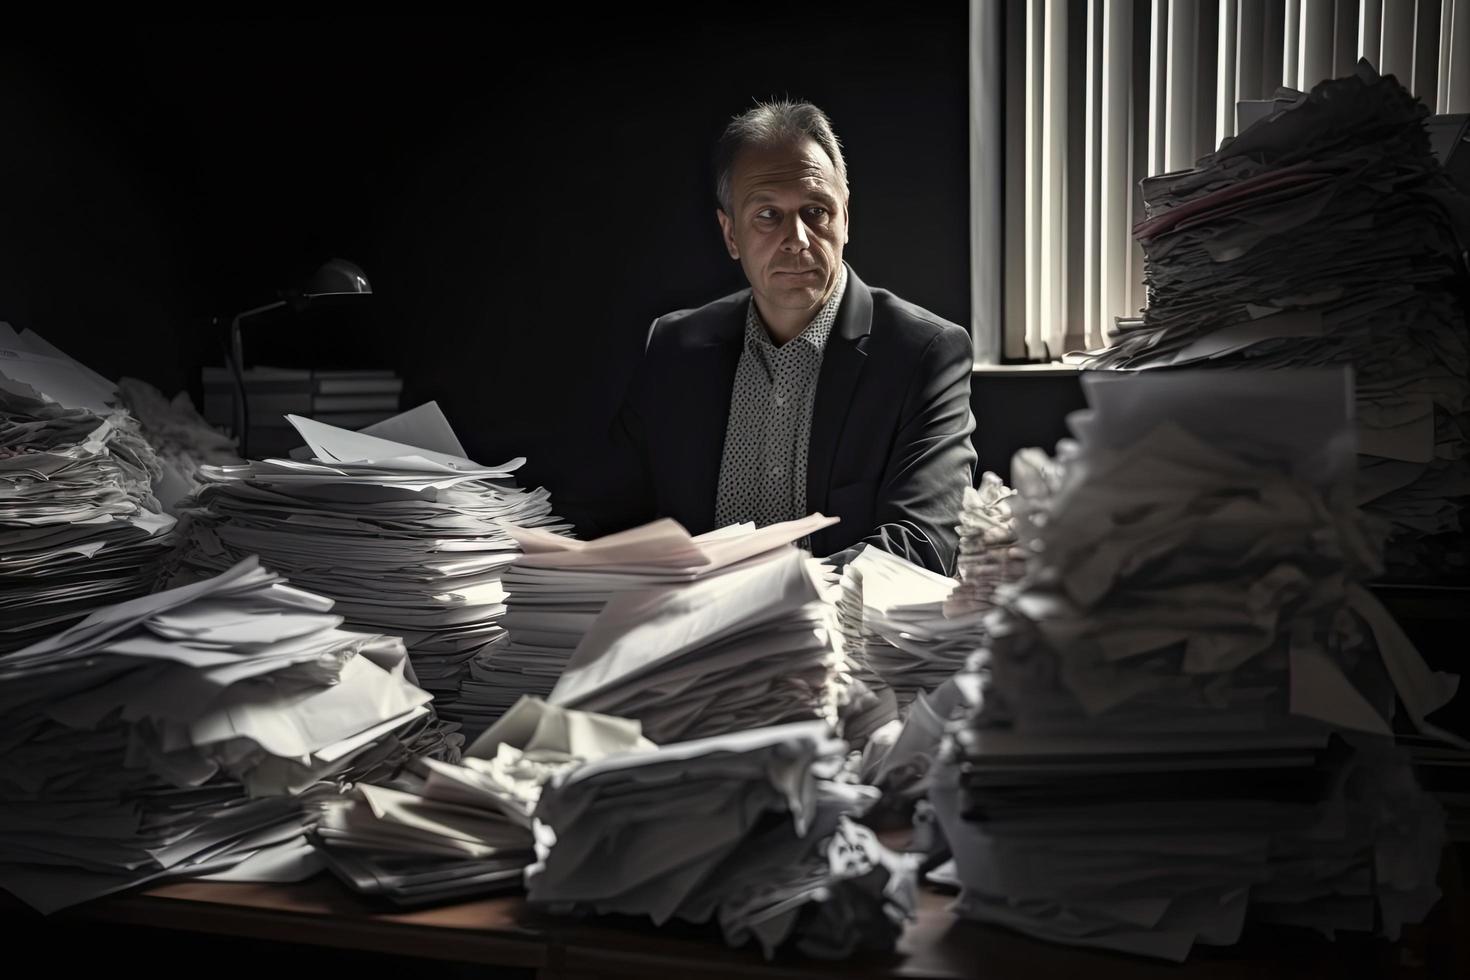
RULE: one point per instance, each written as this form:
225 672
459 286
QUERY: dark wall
525 198
1017 411
93 253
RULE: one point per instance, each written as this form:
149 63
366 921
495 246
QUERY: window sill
1055 369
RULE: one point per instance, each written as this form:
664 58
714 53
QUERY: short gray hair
774 123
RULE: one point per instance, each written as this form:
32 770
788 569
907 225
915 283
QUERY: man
809 391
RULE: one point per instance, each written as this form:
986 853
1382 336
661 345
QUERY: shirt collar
814 335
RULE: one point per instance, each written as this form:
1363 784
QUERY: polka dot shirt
768 432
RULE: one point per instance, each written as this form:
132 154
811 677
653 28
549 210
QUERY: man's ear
727 232
846 224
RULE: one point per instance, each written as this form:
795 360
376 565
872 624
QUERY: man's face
788 226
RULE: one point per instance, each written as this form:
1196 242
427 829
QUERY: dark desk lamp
335 280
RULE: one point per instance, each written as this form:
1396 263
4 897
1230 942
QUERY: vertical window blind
1073 102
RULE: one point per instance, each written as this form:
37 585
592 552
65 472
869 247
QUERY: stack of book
348 399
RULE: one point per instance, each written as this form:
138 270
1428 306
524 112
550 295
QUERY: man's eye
816 212
765 214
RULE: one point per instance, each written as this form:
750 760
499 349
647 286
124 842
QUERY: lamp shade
336 277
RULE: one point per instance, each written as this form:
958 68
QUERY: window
1073 102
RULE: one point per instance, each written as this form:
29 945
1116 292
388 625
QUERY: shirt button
780 400
775 471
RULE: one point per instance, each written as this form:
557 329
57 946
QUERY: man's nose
797 239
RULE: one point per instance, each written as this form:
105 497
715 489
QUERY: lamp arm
237 370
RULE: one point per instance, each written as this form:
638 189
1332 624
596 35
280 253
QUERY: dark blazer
890 450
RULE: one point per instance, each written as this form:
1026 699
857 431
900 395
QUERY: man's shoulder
699 326
896 322
909 325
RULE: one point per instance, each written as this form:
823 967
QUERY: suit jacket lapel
842 366
708 380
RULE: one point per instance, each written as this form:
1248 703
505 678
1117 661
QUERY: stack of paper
910 640
408 537
450 830
990 550
935 660
37 370
747 829
1324 234
173 733
179 435
1186 712
914 630
753 647
559 587
900 757
79 525
871 716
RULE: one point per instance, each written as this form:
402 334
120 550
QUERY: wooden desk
504 932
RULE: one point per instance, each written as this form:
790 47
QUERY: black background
525 195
